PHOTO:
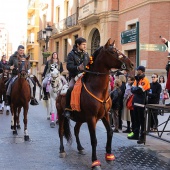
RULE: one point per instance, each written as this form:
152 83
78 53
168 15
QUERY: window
132 26
57 47
75 37
57 14
65 50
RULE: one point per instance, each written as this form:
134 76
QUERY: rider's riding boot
68 110
33 101
45 94
8 100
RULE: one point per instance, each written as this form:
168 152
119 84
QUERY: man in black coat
77 60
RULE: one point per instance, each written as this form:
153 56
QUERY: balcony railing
65 24
39 35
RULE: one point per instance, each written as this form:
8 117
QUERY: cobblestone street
42 151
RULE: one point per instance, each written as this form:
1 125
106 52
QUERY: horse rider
13 65
3 64
46 74
77 60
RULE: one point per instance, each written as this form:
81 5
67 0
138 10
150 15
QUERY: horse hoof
26 138
96 168
48 118
62 155
56 121
7 112
18 127
1 112
109 158
82 152
15 132
52 124
12 127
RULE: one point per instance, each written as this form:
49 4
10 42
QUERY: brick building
99 20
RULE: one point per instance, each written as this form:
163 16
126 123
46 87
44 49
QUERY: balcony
69 24
30 40
91 11
30 23
39 35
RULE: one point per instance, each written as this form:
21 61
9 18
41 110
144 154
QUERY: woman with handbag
153 98
127 113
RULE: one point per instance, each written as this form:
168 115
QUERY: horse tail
67 132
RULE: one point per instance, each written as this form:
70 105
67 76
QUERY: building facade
99 20
32 29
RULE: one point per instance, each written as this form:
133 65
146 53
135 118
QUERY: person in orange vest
139 89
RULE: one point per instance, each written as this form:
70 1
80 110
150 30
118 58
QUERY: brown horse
94 101
20 96
3 79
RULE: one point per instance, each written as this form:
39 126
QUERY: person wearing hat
139 89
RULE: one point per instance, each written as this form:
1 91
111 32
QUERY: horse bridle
123 66
22 65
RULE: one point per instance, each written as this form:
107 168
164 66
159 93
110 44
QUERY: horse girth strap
101 101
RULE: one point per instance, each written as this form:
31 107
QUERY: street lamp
46 35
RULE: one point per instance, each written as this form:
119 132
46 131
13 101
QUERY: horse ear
28 57
108 43
113 43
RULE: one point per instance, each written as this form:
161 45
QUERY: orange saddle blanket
75 95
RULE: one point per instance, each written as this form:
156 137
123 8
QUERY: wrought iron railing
65 24
39 35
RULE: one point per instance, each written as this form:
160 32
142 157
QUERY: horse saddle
75 95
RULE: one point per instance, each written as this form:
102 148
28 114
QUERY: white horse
56 83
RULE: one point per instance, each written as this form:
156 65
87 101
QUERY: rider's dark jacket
13 60
74 59
140 88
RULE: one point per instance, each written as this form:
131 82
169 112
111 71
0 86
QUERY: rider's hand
81 67
12 67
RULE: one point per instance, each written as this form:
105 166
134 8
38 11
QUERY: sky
14 14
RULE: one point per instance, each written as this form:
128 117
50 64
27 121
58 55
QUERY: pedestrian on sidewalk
115 97
139 88
127 115
153 98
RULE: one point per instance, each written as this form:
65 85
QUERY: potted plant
46 53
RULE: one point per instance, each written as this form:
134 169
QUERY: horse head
5 73
111 57
54 71
23 66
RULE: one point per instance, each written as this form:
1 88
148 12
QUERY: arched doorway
95 41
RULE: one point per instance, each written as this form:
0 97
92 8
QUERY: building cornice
146 2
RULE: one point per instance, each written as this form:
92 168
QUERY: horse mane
96 53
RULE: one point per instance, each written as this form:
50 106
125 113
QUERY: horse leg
18 122
92 129
15 120
76 133
61 135
26 136
109 156
47 102
12 117
7 110
52 102
1 111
